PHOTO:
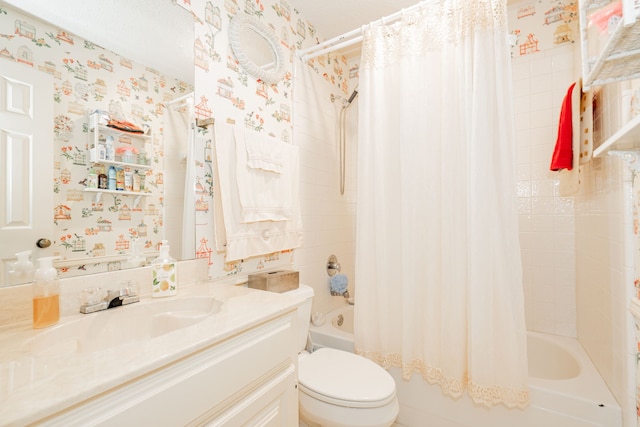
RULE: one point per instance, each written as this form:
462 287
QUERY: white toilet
337 388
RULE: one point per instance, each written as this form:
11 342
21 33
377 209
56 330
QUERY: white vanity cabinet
247 379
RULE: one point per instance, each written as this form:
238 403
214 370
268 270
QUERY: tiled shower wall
605 259
328 218
604 275
576 251
547 221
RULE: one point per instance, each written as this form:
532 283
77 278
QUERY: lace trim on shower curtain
486 395
430 27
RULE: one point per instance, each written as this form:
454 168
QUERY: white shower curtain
180 178
438 266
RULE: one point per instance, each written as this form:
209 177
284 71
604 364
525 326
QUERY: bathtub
565 388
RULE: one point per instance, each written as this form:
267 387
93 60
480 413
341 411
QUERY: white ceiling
332 18
156 33
159 33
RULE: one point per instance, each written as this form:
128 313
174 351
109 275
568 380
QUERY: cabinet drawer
275 404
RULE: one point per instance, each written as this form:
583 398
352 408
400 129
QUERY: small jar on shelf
142 157
128 154
98 153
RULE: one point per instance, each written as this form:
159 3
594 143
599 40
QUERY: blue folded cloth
339 283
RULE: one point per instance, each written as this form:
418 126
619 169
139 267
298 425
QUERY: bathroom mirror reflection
257 48
90 230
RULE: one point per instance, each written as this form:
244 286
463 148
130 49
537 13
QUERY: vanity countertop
35 386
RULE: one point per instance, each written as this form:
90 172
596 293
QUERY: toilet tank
304 297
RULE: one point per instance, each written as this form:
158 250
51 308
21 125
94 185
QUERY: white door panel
26 163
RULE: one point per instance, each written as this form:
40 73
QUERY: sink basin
114 327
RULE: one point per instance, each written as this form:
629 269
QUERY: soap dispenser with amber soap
164 273
46 291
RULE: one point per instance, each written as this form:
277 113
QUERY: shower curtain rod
179 99
352 37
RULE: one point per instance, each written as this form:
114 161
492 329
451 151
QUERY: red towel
563 153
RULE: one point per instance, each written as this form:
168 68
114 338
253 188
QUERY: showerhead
353 95
345 102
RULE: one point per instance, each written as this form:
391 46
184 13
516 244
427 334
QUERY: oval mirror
257 49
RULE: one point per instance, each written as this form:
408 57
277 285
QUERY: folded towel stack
257 211
265 152
339 284
266 192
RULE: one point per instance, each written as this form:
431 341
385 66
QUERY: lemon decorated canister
165 283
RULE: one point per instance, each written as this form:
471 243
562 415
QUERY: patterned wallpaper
86 78
542 24
225 92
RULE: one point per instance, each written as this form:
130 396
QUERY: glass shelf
126 193
124 164
99 192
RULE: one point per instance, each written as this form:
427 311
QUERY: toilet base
320 414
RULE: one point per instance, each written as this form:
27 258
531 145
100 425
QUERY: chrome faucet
114 298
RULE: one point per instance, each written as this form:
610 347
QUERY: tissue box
275 281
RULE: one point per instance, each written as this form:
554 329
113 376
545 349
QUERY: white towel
244 240
219 228
265 195
264 151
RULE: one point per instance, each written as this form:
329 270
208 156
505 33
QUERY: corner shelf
619 59
627 137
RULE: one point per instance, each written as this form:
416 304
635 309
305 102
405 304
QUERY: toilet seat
345 379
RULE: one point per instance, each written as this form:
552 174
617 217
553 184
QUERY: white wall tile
541 65
542 101
328 218
547 229
562 60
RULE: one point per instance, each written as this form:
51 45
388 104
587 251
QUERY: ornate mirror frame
237 24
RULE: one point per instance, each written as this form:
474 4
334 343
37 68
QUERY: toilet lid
345 379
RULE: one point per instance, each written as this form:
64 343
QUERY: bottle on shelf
120 179
92 179
136 181
103 181
98 153
128 181
111 151
142 157
112 178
